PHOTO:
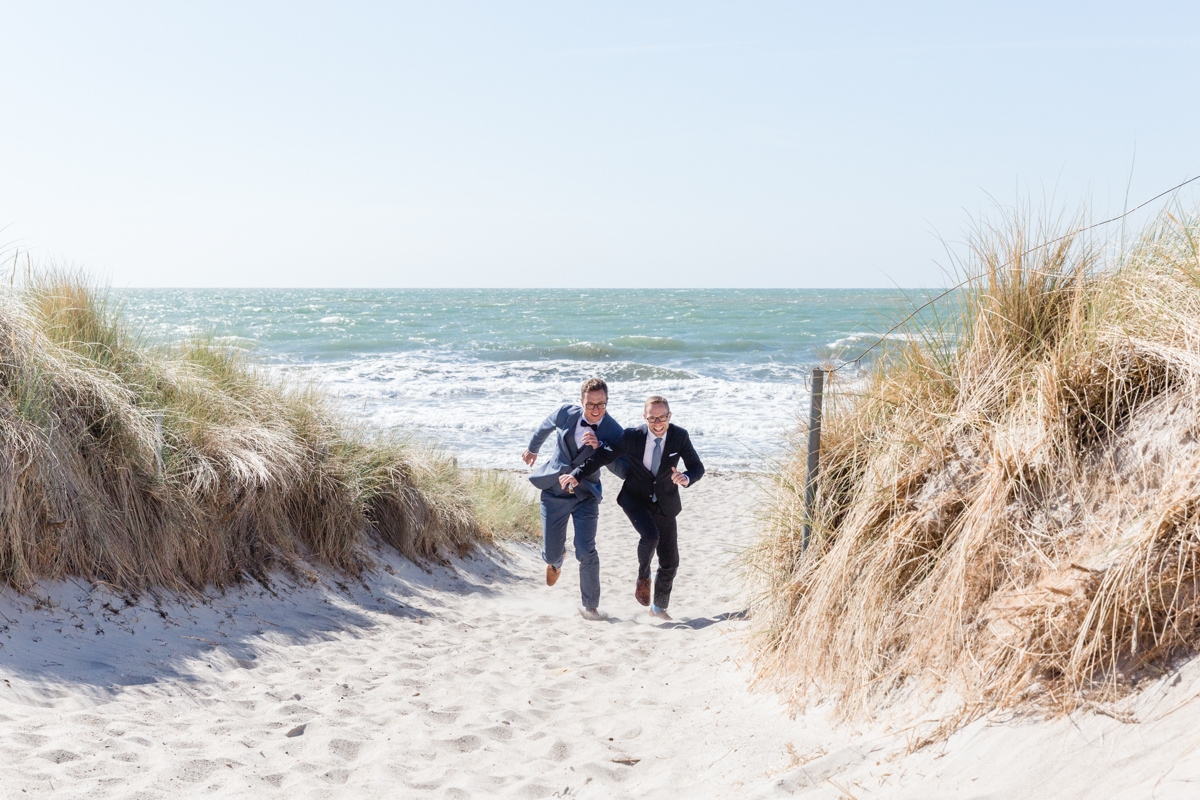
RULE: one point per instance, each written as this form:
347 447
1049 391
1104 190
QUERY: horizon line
551 288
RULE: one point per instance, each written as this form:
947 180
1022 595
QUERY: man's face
594 404
657 418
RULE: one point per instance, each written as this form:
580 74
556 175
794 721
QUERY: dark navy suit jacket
641 487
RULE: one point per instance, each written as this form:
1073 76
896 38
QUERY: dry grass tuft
504 508
1009 506
189 466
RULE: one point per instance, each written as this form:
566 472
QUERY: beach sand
475 679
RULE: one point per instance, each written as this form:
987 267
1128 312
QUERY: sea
475 370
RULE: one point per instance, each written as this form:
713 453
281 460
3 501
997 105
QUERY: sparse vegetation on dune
188 465
1010 507
504 511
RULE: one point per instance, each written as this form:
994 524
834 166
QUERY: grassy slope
187 466
1011 509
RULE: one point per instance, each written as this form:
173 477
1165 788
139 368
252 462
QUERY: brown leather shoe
552 574
642 592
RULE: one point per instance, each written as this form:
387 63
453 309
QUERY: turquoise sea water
477 369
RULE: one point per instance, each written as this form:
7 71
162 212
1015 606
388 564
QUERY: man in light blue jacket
582 430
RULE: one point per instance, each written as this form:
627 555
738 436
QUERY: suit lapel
635 448
569 435
666 448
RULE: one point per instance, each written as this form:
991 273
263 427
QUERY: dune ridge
1007 510
181 466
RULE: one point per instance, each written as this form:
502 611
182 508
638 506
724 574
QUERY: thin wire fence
857 361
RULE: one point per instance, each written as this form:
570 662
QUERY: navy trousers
584 510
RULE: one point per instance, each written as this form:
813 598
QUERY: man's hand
679 478
528 458
589 437
567 482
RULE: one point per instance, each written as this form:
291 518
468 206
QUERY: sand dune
477 680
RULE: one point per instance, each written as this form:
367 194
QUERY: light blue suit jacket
567 456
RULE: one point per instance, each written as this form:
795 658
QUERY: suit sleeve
695 468
620 468
548 425
604 457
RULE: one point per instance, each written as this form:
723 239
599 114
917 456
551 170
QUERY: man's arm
620 468
695 467
604 457
548 424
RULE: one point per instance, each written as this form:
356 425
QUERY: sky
551 144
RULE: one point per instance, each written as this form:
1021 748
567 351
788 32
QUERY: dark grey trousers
659 534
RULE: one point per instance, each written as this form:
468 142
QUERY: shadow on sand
87 641
704 622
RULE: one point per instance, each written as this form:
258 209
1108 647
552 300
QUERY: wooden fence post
814 454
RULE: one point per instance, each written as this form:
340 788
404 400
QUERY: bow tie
587 424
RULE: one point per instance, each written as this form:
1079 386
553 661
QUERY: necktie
655 460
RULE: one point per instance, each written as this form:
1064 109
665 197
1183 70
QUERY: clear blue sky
572 144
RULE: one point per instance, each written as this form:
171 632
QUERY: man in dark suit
650 495
581 430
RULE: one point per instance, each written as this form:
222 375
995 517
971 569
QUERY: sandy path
480 681
475 682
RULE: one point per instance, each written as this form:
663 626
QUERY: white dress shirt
581 429
648 456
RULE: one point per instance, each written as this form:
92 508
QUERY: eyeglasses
657 420
595 406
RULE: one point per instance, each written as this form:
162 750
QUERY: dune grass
504 510
188 465
1008 506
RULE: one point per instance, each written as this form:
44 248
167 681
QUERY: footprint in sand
464 744
345 748
197 770
534 790
559 751
336 776
88 720
501 733
31 739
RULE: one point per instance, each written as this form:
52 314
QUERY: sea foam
477 370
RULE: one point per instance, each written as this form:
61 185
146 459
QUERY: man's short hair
655 399
593 385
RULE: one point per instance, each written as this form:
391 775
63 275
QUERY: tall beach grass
188 465
1010 506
